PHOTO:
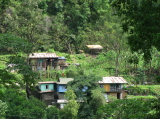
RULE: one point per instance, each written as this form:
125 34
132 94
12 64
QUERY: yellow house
113 86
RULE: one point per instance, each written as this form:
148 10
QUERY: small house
61 84
43 61
48 92
113 86
94 49
61 89
62 63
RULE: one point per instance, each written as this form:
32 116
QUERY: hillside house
94 49
61 89
113 86
61 86
48 92
52 93
45 63
62 63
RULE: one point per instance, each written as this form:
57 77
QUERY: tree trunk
117 62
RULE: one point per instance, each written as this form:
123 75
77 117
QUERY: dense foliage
65 27
141 21
131 109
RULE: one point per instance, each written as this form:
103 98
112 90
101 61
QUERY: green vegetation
128 30
131 109
144 90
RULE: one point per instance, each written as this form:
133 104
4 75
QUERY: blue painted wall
61 88
43 87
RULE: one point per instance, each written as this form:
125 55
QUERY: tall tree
77 17
20 107
16 47
89 92
141 22
27 21
70 110
3 109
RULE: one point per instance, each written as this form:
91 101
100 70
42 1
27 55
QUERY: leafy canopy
141 21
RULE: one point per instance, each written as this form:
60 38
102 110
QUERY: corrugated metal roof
64 80
47 82
43 55
113 79
94 46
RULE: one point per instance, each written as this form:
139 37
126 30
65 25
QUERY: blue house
61 89
61 84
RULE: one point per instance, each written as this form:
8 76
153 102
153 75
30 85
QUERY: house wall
105 96
39 64
61 88
60 95
107 87
47 96
113 94
124 94
46 87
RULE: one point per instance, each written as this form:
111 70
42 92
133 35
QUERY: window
102 86
47 86
115 87
39 63
63 87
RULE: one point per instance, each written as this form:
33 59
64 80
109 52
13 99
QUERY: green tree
76 19
130 109
70 110
141 22
7 77
97 101
26 20
3 109
52 112
21 107
89 92
83 85
16 47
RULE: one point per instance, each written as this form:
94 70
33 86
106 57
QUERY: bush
3 109
52 112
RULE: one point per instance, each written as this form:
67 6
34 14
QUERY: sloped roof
94 46
43 55
112 79
47 82
64 80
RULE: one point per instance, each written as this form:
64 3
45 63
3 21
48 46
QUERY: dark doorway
118 95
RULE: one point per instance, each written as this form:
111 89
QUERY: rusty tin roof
43 55
94 46
113 79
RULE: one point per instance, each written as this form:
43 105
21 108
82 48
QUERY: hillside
128 31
